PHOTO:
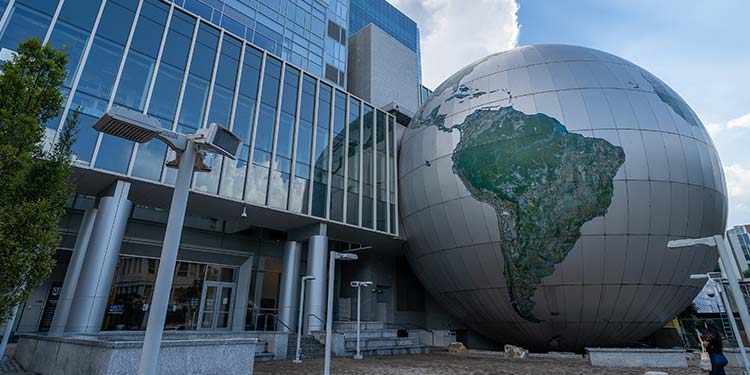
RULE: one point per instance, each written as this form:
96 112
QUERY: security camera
244 212
711 292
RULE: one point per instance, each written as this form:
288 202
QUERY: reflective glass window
149 160
381 166
72 31
99 74
392 172
282 165
338 157
300 190
368 154
233 176
139 66
194 100
353 177
221 106
320 154
27 19
257 183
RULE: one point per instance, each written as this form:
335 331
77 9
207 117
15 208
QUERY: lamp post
138 127
725 257
305 279
359 285
715 278
335 255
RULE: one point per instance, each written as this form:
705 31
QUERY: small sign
225 301
115 309
145 307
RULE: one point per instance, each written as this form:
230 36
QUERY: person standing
715 348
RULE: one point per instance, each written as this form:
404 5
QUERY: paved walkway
443 363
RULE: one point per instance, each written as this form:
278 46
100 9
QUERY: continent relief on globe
543 182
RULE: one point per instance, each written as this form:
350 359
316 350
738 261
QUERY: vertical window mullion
185 75
230 126
292 172
212 83
78 72
248 172
147 104
52 26
6 14
331 116
395 181
387 176
275 137
314 145
345 153
361 159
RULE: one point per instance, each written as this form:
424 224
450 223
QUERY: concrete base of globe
111 354
644 358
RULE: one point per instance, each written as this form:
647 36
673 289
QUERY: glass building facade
308 147
385 16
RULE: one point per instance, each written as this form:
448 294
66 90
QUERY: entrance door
216 305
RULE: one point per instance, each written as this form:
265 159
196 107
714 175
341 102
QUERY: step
352 325
369 333
376 343
419 349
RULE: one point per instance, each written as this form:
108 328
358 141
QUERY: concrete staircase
311 347
375 339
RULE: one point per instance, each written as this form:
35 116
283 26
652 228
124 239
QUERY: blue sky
700 48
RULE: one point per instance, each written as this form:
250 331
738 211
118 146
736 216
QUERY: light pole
725 257
359 285
305 279
138 127
335 255
715 278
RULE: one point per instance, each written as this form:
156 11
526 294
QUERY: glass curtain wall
338 157
320 155
257 182
381 166
313 148
278 189
368 160
235 171
300 191
353 169
221 96
149 159
392 174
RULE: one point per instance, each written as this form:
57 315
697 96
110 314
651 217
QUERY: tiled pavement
443 363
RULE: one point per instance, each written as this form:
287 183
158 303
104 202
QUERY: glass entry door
216 305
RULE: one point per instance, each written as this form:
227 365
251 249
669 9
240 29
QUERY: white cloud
455 33
739 122
738 180
713 128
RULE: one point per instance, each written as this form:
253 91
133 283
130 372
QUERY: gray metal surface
619 282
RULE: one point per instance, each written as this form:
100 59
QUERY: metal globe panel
619 282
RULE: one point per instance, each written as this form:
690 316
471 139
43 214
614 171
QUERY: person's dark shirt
714 343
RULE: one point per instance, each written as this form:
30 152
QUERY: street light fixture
715 278
725 259
305 279
334 256
359 285
139 127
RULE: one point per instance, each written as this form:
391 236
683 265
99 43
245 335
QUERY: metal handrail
282 323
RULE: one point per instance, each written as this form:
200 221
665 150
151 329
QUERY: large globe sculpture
539 187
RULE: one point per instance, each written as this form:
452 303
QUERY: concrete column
60 319
243 292
315 300
289 286
92 291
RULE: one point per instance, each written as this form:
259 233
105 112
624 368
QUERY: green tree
35 180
